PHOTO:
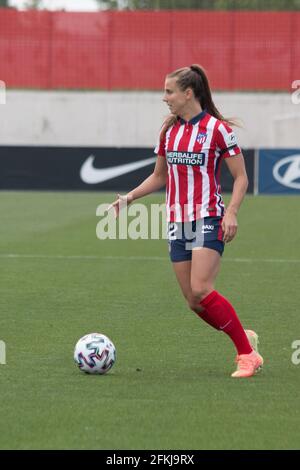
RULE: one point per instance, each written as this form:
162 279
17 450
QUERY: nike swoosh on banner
91 175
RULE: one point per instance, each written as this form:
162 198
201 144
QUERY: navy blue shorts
183 237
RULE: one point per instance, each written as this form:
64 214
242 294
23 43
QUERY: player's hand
120 203
229 226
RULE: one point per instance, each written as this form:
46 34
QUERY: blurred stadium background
78 87
73 78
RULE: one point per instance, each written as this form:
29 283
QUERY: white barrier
131 119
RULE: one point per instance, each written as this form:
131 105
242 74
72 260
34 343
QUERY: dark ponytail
204 93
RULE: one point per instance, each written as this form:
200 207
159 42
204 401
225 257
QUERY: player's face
175 98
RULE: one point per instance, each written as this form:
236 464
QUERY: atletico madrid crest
201 137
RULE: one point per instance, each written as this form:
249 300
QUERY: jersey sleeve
160 148
226 141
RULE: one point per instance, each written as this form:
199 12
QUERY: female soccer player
194 140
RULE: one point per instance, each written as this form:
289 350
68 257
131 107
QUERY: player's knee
195 306
197 295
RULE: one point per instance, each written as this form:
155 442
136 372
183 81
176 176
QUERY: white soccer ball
95 353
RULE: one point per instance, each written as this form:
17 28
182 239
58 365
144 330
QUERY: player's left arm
236 166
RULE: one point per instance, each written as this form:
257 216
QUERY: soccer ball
94 353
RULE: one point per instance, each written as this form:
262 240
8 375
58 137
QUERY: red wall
135 50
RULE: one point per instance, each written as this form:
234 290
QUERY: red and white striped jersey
194 151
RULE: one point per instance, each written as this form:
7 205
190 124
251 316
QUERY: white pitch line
137 258
263 260
87 257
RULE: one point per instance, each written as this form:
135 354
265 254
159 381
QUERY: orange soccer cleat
249 364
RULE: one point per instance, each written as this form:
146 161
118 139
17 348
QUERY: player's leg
217 311
196 262
181 258
204 270
182 271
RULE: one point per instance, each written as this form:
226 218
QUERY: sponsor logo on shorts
207 228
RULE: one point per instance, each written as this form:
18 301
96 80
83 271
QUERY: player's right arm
153 183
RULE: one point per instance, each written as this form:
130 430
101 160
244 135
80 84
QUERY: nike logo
91 175
222 327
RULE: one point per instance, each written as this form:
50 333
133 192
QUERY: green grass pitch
170 387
